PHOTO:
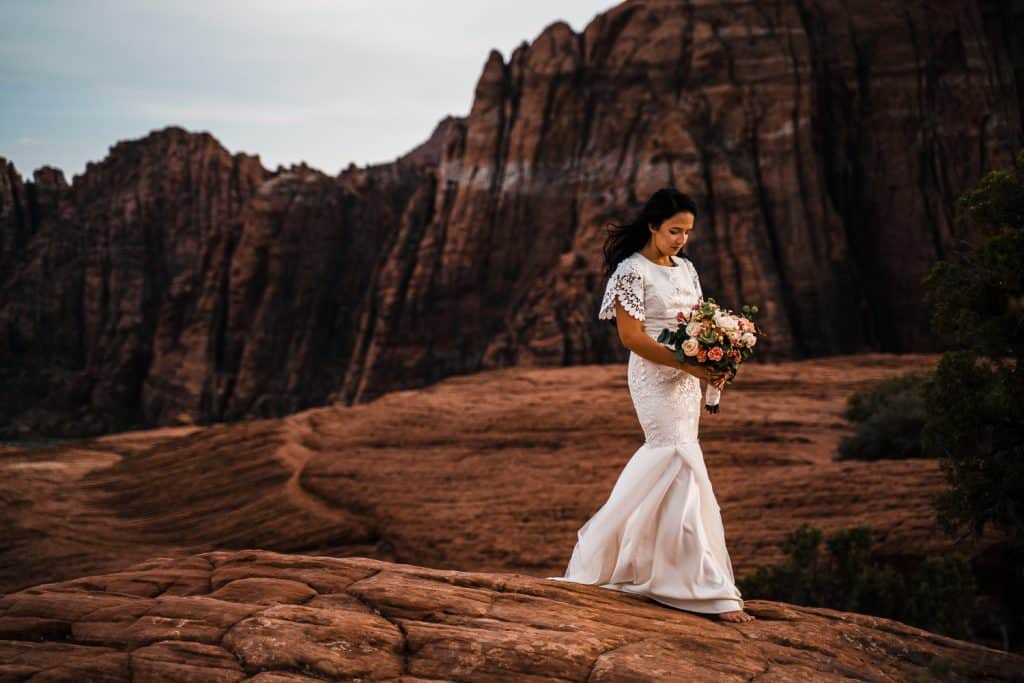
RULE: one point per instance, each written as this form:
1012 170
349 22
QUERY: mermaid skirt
660 531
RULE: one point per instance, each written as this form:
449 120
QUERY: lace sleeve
627 285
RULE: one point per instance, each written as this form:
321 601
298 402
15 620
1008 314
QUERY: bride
660 532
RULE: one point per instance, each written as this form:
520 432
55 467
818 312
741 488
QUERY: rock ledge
269 617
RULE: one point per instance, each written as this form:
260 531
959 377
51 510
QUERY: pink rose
702 355
680 317
716 354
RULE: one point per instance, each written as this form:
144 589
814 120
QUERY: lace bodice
651 293
667 400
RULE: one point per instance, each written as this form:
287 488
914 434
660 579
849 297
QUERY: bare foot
737 616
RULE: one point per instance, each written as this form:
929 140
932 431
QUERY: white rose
734 337
748 339
694 328
690 347
726 321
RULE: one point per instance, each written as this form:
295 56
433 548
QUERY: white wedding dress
660 532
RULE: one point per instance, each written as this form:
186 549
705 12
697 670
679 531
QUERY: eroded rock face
176 283
824 143
229 616
83 307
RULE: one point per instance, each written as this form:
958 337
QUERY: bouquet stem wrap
711 398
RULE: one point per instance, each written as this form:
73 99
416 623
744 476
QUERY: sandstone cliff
824 142
174 282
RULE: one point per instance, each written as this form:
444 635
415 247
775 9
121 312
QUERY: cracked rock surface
484 479
252 615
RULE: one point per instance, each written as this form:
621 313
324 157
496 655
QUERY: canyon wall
824 143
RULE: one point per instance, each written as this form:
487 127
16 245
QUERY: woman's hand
717 379
705 374
633 337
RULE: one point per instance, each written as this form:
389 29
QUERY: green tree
975 401
938 594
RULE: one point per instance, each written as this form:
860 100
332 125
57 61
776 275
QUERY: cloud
327 81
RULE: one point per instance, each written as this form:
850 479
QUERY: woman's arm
633 337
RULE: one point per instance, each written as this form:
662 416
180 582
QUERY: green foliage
895 391
889 417
975 403
997 200
978 298
937 595
976 426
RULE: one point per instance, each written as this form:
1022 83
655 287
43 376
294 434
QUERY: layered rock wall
824 143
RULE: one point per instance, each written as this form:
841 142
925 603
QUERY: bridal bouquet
715 337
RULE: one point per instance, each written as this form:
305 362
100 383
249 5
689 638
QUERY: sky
325 82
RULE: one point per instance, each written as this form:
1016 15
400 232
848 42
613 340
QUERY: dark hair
623 240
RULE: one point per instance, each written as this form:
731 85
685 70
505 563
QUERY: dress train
659 534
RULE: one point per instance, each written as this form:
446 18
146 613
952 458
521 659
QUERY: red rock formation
429 153
178 283
824 142
491 472
261 616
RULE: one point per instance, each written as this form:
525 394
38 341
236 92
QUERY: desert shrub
938 594
889 418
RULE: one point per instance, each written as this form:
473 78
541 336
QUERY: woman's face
672 234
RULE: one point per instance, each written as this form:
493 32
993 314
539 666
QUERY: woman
660 532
